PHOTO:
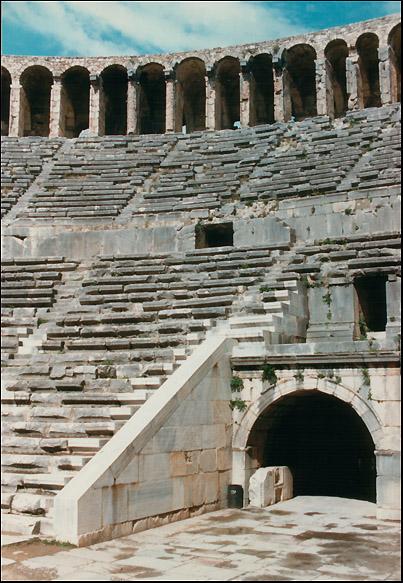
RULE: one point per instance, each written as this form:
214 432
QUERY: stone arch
36 82
261 90
300 63
152 99
394 43
336 53
190 95
342 392
367 48
245 461
227 93
114 85
75 101
5 101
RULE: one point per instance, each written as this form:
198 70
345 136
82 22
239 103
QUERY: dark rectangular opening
218 235
371 294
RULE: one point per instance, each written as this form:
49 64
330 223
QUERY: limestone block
184 463
208 460
159 497
89 516
191 412
221 412
388 463
178 439
114 504
388 491
270 485
30 504
130 474
213 436
391 414
154 467
224 458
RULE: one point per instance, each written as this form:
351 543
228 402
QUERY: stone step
146 382
18 462
20 524
44 481
239 322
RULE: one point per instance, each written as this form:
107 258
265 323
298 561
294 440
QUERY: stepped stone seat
97 177
314 157
22 160
204 171
28 291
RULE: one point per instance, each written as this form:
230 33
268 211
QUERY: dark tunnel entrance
323 441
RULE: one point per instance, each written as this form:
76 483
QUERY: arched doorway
302 78
36 82
262 90
152 99
323 441
190 98
367 49
394 42
114 83
336 53
227 93
75 101
5 101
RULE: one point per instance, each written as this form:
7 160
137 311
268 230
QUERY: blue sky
84 28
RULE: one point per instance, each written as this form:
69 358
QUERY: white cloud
113 28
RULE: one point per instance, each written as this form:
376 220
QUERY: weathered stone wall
284 88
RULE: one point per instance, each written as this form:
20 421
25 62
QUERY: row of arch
297 66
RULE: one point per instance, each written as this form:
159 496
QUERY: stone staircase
116 330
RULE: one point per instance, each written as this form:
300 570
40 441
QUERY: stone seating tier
96 179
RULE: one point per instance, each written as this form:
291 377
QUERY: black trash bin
235 496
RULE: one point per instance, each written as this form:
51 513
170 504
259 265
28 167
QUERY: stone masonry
183 308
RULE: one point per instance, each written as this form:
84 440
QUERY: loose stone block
270 485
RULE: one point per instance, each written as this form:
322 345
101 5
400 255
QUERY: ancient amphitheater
200 279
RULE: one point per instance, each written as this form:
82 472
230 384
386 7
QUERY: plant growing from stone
299 376
236 384
269 374
238 404
366 379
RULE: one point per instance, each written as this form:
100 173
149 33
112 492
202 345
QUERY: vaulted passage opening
395 46
371 300
36 82
367 48
323 441
152 100
336 53
114 83
190 98
5 101
262 90
218 235
227 93
75 102
302 78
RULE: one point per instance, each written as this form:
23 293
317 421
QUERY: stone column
133 94
55 129
16 121
97 106
354 82
324 88
386 74
170 101
244 106
388 484
210 99
282 96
